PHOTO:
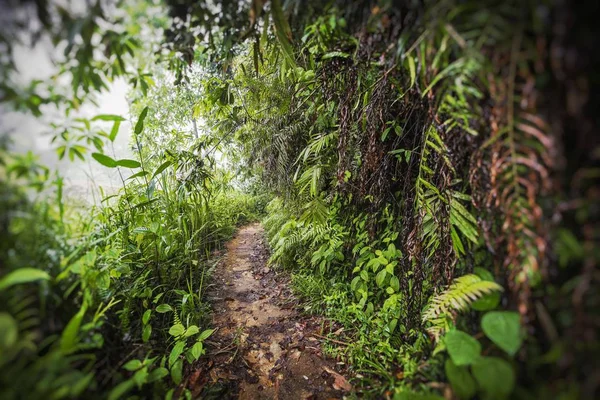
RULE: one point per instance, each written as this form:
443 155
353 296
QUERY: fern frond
429 199
285 240
176 318
519 175
458 297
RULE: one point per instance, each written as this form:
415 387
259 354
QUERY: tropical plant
430 170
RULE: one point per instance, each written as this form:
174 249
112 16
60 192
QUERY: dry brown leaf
340 383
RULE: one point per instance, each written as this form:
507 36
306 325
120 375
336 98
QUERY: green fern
286 240
458 85
429 198
456 299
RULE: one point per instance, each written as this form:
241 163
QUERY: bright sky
30 133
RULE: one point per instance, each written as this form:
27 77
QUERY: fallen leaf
295 355
194 377
340 383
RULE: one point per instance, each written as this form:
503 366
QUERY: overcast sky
30 133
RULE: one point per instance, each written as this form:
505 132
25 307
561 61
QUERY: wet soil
263 348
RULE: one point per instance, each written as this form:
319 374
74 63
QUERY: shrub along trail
263 348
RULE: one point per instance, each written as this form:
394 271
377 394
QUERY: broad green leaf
176 371
108 117
380 278
77 151
205 334
176 352
504 329
68 339
462 348
191 331
146 316
146 333
157 374
197 350
114 131
463 384
140 377
161 168
137 175
23 275
104 160
390 268
163 308
495 377
364 275
395 283
128 163
486 302
169 395
103 280
9 331
119 391
133 365
139 126
483 274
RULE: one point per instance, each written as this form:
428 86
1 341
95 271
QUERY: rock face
263 347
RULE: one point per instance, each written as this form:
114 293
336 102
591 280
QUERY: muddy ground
263 348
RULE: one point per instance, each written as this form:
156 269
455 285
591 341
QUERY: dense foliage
432 171
119 289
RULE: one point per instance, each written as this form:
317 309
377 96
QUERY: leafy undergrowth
380 349
431 167
111 300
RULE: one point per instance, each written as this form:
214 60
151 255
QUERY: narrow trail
263 347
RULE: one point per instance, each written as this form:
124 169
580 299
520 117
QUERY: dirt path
263 348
